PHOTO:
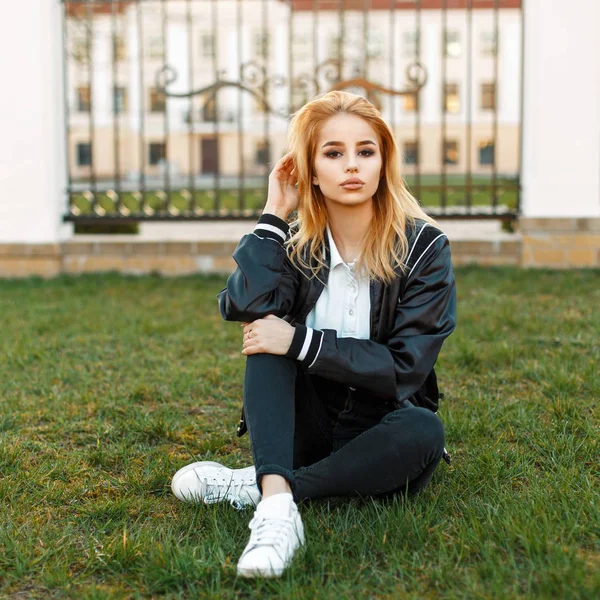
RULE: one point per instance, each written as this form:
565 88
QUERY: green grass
109 384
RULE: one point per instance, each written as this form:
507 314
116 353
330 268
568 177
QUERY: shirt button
350 312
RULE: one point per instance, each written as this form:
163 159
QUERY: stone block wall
555 243
23 260
560 243
505 251
132 257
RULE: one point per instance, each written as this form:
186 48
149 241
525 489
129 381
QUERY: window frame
156 163
446 148
78 150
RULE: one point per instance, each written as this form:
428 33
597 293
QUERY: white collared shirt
345 302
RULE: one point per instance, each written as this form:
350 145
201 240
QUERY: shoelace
271 531
225 488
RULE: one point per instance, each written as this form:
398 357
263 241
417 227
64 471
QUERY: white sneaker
277 532
211 482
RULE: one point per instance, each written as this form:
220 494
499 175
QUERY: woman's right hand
282 196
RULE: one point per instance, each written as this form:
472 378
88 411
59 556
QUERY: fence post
32 153
561 134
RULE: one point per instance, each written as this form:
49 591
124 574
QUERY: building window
209 110
156 48
411 153
84 98
263 154
119 48
84 154
261 43
489 43
487 150
452 46
207 48
451 98
450 152
410 43
488 96
157 152
158 101
410 102
81 49
119 100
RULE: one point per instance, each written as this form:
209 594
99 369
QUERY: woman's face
347 148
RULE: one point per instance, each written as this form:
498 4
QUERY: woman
344 312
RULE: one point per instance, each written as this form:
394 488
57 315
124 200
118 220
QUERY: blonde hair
385 247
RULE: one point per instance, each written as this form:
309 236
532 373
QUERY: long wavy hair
384 249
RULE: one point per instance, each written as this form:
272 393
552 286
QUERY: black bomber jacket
409 321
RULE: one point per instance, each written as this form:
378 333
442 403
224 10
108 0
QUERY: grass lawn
109 384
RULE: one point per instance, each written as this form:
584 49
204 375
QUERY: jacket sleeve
265 281
425 317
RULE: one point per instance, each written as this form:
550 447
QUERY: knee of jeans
432 429
425 424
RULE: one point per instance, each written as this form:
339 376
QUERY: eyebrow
363 143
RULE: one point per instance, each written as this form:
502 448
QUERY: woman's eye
332 153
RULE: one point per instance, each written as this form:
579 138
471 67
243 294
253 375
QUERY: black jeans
327 439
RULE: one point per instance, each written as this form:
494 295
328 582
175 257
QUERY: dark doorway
209 151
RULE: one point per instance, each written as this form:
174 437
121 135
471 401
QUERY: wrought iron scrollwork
416 74
253 80
168 75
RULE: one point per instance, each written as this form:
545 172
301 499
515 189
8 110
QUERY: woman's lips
353 186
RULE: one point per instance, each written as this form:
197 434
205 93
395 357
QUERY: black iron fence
177 109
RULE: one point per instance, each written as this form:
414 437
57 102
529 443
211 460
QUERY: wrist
278 211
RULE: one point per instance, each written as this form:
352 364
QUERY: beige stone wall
179 258
166 258
24 260
486 253
556 243
560 243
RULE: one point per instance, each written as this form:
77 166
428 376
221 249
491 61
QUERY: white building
115 105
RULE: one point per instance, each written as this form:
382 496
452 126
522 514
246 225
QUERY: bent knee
424 425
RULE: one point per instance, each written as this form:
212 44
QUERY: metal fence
177 109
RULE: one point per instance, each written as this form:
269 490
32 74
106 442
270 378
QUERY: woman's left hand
269 335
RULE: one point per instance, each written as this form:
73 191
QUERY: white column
32 153
561 123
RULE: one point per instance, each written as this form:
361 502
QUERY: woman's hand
282 196
270 335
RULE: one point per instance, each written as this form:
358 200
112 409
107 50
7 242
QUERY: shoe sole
249 573
187 469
